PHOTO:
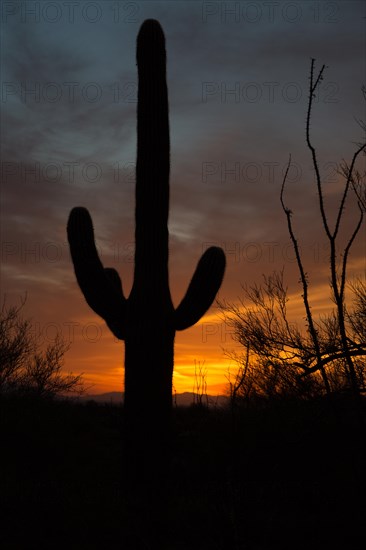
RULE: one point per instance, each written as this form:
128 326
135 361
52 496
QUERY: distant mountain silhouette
184 399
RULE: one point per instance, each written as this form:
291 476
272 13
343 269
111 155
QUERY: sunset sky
238 77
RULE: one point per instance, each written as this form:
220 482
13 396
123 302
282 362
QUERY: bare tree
43 375
27 368
330 354
280 358
16 345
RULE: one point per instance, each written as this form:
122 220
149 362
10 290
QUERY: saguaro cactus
146 320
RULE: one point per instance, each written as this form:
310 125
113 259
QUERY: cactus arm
202 289
102 288
116 325
114 279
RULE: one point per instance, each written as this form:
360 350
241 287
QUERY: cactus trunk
149 339
147 320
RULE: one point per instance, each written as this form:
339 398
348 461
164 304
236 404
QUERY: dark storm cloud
58 103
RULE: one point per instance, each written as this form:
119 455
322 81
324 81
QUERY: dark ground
286 475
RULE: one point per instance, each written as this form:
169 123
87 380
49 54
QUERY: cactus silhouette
146 320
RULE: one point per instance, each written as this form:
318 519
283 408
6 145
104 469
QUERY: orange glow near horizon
99 357
101 360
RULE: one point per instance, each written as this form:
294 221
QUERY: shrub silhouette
146 320
27 369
